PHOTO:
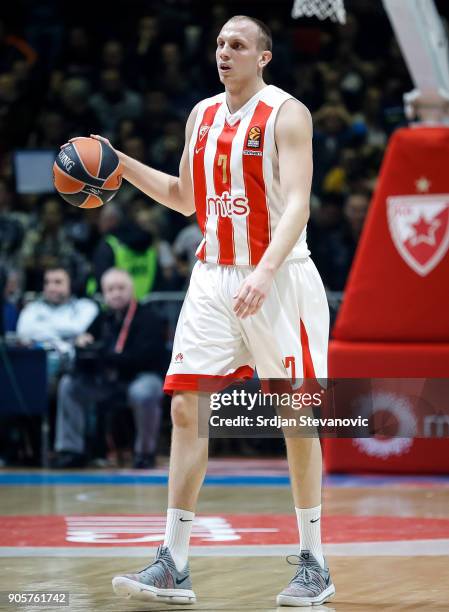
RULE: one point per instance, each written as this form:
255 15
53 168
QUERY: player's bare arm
171 191
293 134
175 192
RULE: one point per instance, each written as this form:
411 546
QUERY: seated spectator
334 246
112 55
48 246
115 102
151 219
49 131
166 149
109 218
118 362
371 118
132 248
9 285
11 227
349 168
128 128
144 50
332 132
134 146
16 113
307 85
57 316
76 55
185 246
355 209
81 229
79 117
157 111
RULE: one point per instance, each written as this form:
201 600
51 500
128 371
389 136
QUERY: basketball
87 173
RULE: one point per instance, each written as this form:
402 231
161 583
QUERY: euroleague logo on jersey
254 137
227 206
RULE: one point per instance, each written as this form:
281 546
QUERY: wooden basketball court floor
386 538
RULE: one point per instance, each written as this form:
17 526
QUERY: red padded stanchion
388 360
398 455
398 289
394 320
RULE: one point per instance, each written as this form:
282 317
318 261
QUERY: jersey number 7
223 162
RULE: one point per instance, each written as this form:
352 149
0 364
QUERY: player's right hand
96 136
102 138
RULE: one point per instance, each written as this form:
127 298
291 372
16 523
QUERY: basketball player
255 297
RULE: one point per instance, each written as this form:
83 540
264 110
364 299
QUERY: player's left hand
252 293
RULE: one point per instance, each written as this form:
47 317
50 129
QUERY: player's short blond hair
265 39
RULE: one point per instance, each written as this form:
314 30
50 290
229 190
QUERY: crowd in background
133 73
136 82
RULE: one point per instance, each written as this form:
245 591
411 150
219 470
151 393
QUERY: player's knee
181 411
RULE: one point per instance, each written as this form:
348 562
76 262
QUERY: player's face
117 291
238 55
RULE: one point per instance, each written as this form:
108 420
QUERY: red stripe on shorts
204 382
258 223
307 363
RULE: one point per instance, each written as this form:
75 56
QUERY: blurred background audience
55 319
135 81
120 360
136 84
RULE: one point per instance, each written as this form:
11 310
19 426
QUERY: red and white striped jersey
235 175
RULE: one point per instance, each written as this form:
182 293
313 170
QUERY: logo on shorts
419 227
254 136
179 358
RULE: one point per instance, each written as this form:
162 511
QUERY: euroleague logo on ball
92 190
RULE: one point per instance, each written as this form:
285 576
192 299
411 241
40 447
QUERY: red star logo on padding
425 231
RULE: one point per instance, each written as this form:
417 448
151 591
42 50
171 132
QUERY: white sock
309 525
177 535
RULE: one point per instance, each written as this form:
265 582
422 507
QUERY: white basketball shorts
286 338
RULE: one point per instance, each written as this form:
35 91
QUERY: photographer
118 363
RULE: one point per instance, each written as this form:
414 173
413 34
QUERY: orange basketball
87 173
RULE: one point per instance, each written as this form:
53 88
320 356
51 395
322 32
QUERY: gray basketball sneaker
310 586
160 581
